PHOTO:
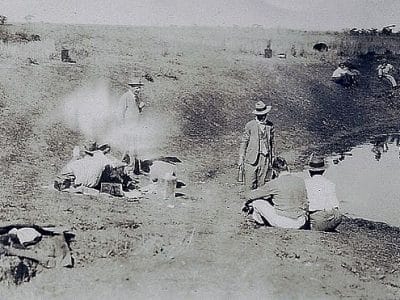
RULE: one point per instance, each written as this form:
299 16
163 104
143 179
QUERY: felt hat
261 108
135 82
317 164
90 147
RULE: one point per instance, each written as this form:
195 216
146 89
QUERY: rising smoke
95 113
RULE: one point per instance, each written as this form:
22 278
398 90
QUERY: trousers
391 79
256 175
264 212
325 220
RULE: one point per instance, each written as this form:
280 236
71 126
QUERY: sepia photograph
214 149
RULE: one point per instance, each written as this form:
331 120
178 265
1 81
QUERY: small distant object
282 55
267 52
293 51
65 56
32 61
388 30
3 20
148 77
321 47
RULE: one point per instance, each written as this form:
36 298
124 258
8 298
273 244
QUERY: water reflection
380 144
368 179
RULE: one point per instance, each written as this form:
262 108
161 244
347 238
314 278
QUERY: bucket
167 186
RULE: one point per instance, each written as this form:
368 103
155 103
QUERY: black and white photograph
214 149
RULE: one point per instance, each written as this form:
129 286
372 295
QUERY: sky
296 14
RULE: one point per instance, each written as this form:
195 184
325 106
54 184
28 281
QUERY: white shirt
321 193
385 69
339 72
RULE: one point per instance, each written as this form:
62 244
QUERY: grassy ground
206 82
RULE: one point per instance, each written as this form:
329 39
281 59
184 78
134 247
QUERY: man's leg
250 177
263 164
325 220
264 211
392 80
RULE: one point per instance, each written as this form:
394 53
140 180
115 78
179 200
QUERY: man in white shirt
322 201
384 71
130 104
130 108
344 76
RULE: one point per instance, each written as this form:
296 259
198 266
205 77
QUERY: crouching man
323 203
281 202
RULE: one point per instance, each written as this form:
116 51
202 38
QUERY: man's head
384 61
317 166
261 111
280 165
135 85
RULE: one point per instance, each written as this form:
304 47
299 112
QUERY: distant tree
3 20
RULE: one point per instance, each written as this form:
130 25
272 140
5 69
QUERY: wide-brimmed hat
317 164
261 108
90 146
135 82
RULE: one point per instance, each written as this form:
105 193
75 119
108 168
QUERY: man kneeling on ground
344 76
323 203
281 202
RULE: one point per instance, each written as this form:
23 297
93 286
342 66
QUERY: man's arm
244 143
272 143
266 191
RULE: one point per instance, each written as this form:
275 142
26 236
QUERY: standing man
384 71
257 148
323 203
130 102
130 107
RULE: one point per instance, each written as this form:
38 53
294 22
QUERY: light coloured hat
135 82
261 108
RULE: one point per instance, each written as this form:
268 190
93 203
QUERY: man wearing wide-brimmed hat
130 102
257 148
321 193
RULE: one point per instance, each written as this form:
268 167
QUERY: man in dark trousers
257 148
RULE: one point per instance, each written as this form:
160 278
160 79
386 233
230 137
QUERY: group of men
347 77
276 197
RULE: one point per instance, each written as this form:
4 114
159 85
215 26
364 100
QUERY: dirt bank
203 246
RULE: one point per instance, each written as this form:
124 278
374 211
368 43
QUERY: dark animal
321 47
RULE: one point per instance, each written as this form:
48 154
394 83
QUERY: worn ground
206 82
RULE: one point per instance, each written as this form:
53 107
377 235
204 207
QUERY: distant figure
281 202
257 148
293 51
130 108
130 104
384 71
344 76
268 52
380 146
322 201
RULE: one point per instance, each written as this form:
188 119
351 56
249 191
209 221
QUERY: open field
206 81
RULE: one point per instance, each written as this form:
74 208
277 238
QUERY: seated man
344 76
281 202
322 201
384 71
